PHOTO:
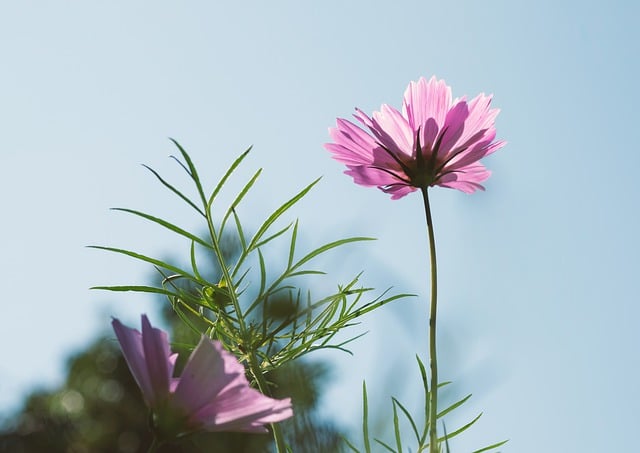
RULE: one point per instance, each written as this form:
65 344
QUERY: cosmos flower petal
428 135
244 409
474 154
466 179
393 130
209 370
352 144
212 393
481 117
463 186
157 356
424 100
131 344
398 191
364 118
372 177
453 128
216 394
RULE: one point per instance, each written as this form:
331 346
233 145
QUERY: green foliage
223 308
421 436
100 409
227 291
267 324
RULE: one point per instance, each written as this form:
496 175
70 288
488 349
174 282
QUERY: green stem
254 366
278 437
225 274
433 360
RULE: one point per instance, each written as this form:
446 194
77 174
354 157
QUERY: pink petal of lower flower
157 357
244 409
131 344
208 371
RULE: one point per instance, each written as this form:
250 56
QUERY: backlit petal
209 370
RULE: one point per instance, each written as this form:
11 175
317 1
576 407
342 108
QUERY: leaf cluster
232 308
421 436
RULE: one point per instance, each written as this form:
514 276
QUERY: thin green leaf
226 176
350 445
307 272
167 225
446 438
273 236
326 247
178 307
239 198
194 263
292 247
365 418
374 305
385 446
408 415
491 447
453 406
174 190
136 288
277 213
462 429
241 235
396 426
263 273
193 172
423 374
156 262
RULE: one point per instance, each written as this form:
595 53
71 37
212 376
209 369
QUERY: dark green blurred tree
100 407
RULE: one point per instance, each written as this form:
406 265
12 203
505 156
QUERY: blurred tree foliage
100 407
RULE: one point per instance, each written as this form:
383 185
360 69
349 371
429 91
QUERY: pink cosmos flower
434 141
212 393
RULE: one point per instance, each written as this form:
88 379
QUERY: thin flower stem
254 367
278 437
225 274
433 360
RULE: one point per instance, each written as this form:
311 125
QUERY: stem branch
278 437
254 366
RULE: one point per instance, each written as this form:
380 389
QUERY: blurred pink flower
212 393
435 141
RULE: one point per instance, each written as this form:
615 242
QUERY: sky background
538 310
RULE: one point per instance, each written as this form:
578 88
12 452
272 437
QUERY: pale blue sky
538 290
